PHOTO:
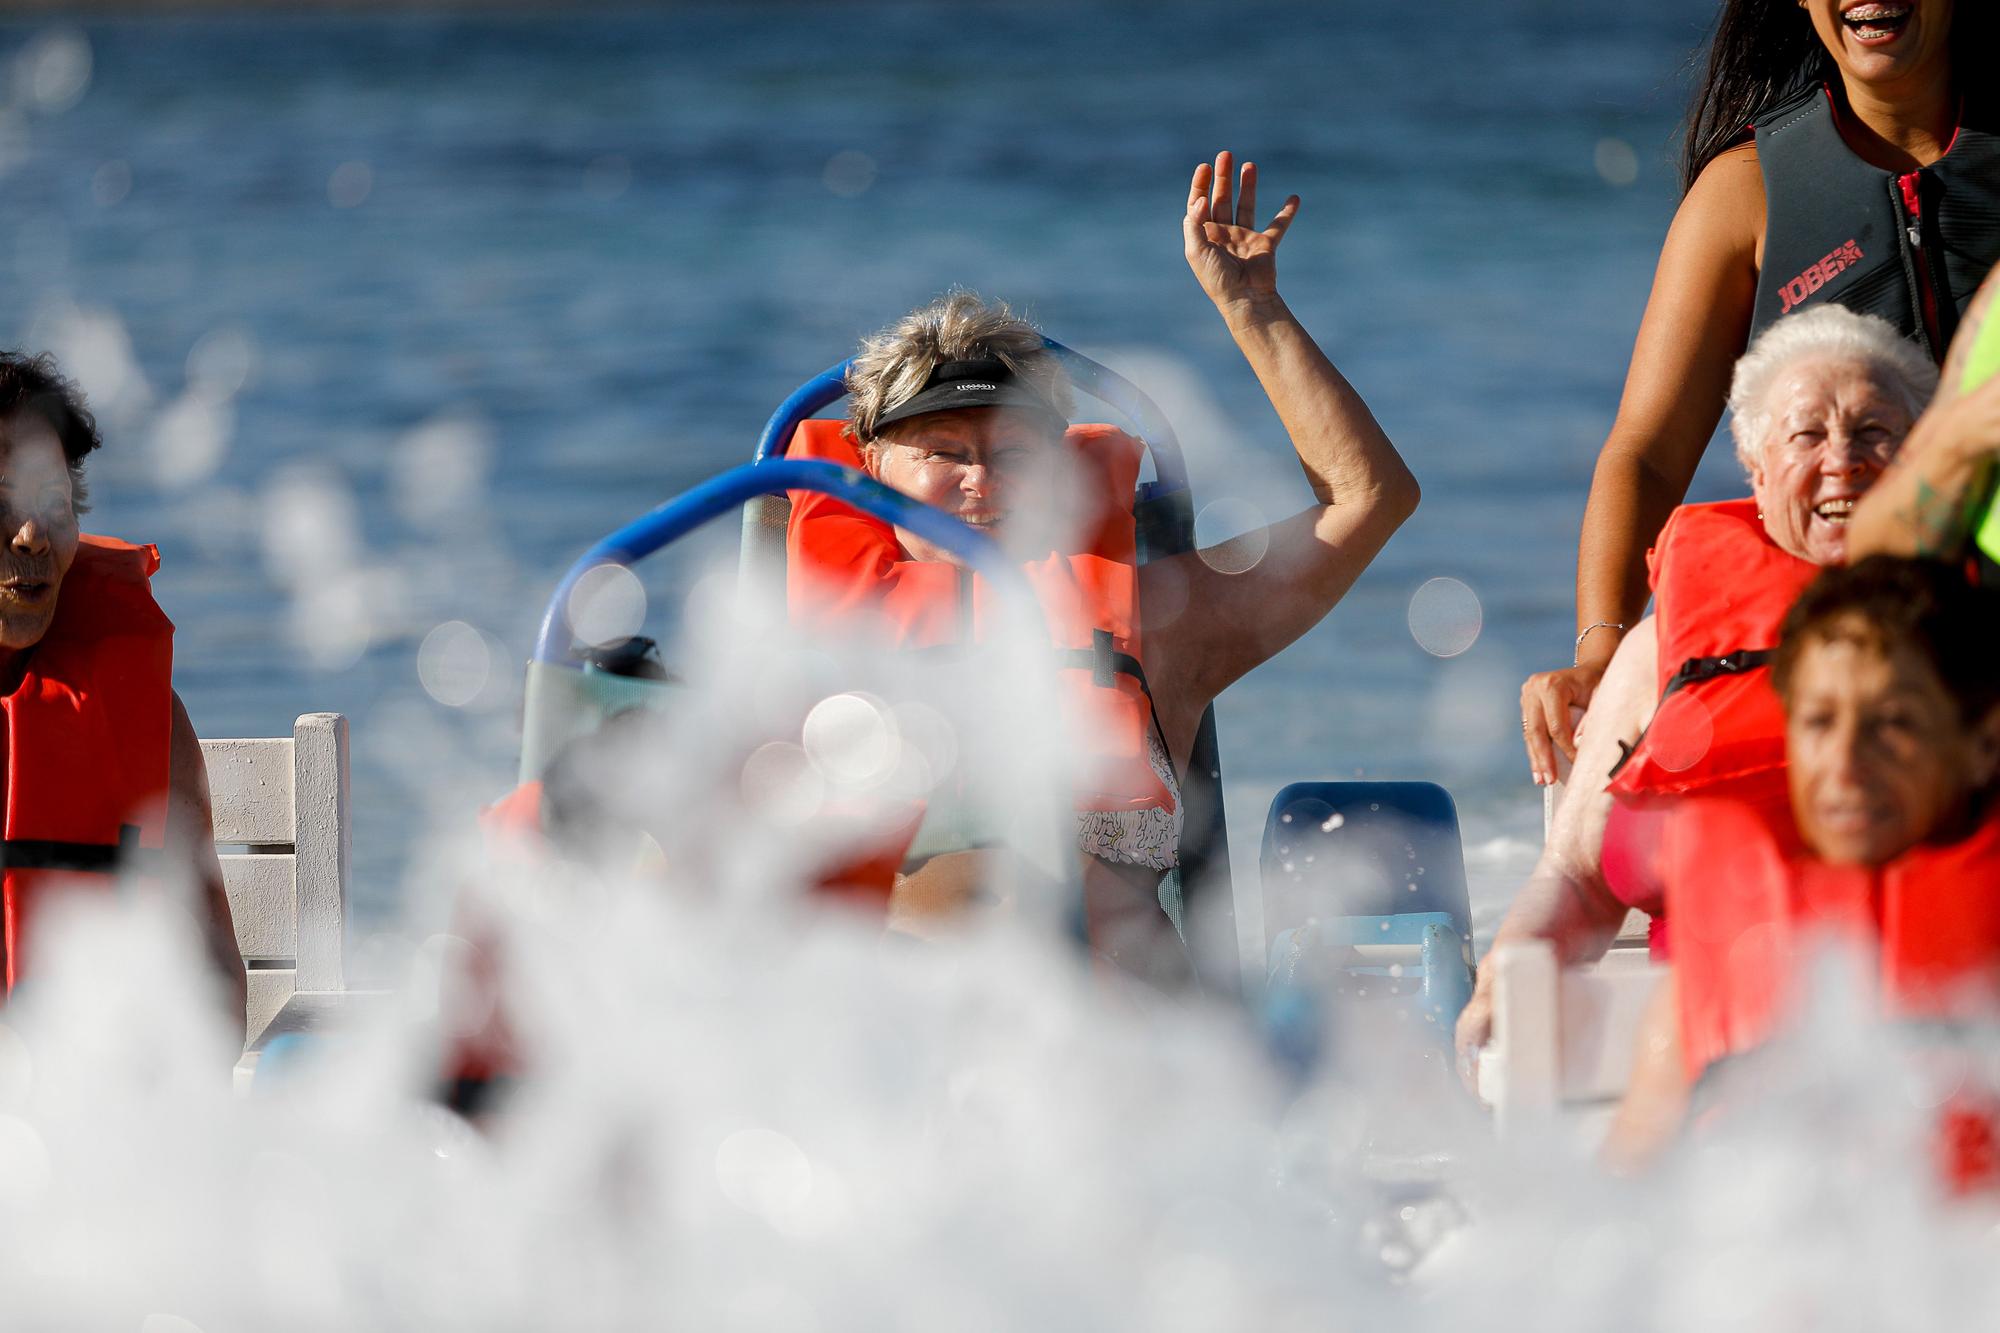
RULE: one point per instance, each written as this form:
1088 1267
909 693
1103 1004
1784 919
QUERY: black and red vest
1911 248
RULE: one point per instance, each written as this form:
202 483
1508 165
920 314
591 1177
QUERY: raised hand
1234 262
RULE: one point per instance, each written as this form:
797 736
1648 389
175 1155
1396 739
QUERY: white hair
1825 332
894 365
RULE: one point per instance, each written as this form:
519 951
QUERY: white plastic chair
282 826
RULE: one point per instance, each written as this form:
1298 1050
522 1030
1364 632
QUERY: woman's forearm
1345 454
1567 900
1922 506
1567 905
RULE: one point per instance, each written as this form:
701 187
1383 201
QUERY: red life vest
88 733
1721 588
845 569
1747 900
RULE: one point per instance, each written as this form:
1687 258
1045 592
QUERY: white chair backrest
1563 1038
282 826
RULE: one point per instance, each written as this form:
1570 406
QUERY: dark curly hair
1925 605
31 385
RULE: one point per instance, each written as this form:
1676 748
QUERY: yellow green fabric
1980 367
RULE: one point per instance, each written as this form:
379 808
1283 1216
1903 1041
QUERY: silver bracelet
1577 656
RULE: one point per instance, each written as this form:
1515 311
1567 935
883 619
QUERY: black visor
982 383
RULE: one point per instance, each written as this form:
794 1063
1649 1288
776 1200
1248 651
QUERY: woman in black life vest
1835 152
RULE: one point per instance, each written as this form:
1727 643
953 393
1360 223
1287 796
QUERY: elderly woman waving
1819 406
958 403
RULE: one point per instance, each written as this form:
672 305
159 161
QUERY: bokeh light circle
607 605
780 783
1445 617
1231 535
851 739
454 663
1616 161
849 173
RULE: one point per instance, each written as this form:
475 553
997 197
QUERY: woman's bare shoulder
1727 198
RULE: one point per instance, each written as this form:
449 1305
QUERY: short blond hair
894 365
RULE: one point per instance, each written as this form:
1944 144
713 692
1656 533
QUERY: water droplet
763 1172
168 1323
930 735
454 663
441 468
1231 535
53 70
1616 161
189 440
350 184
110 183
851 740
220 362
849 173
607 605
779 783
607 176
1445 617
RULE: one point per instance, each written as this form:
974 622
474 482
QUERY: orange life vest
1721 588
518 814
1747 899
845 569
88 734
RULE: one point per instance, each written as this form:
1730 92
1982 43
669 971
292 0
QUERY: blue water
600 245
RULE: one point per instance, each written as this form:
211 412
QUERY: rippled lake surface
388 316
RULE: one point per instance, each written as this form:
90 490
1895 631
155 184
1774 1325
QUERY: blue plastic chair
1365 882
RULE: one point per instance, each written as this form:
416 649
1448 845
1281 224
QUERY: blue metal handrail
1100 382
676 518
